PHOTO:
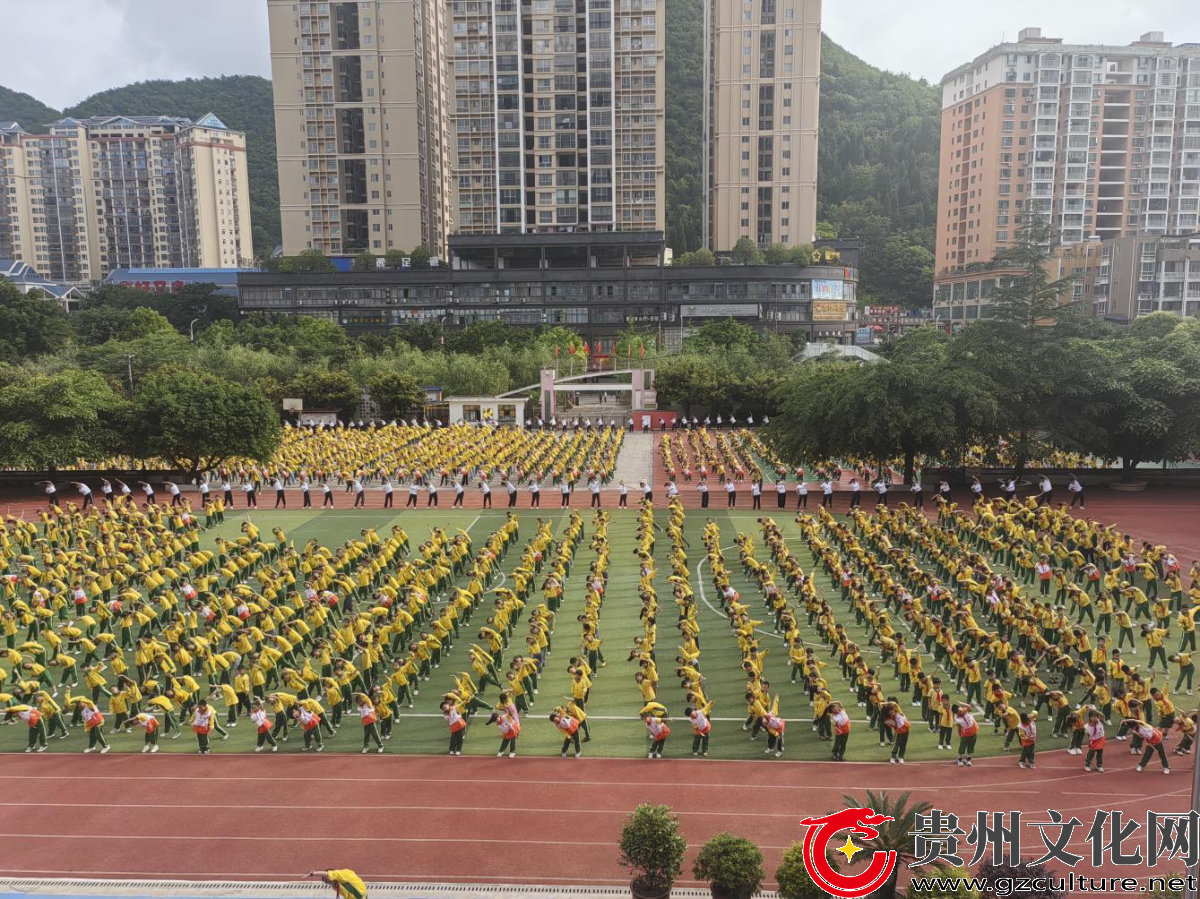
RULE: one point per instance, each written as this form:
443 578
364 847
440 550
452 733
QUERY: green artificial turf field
615 701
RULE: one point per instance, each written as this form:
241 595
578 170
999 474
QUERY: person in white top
280 496
173 489
251 491
204 491
756 494
702 489
511 487
730 492
1047 491
388 491
594 489
672 490
855 493
84 491
148 490
535 493
802 494
881 493
781 493
564 489
431 488
51 492
106 490
486 490
622 495
918 494
647 492
827 494
360 494
459 493
327 493
1076 490
413 489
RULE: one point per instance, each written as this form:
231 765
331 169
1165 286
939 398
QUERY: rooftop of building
1031 40
123 122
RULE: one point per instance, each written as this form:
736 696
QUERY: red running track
485 820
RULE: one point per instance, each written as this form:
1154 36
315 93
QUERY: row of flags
599 350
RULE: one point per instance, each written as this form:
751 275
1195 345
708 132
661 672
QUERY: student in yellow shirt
345 883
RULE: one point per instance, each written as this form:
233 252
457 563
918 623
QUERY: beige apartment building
762 70
360 101
558 115
1103 141
90 195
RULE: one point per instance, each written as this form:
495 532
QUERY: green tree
394 258
420 257
398 394
905 274
29 325
746 252
196 422
326 390
777 254
1045 390
702 256
723 334
365 262
1151 394
48 421
687 381
313 261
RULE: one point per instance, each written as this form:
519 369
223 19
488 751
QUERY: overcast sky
61 51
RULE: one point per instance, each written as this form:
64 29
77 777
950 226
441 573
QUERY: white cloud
928 38
61 51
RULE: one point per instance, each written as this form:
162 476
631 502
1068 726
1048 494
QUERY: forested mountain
242 102
877 168
25 109
878 150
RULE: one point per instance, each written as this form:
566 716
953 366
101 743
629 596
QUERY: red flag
642 351
556 351
571 349
586 351
629 350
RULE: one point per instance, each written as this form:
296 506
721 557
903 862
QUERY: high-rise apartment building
558 115
361 124
1102 141
762 72
91 195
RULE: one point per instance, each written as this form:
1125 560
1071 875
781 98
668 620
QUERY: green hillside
31 113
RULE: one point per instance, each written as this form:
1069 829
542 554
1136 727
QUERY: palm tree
895 834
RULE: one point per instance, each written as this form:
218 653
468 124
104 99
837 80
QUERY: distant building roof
27 279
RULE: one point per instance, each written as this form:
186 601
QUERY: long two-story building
598 284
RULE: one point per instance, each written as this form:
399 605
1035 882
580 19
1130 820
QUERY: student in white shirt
413 489
802 493
672 490
564 489
85 492
486 490
304 491
204 491
251 491
881 493
827 494
1076 490
431 488
755 493
512 493
106 490
918 494
781 494
280 496
855 493
702 489
622 495
647 492
594 489
730 492
327 491
535 494
51 493
227 490
1047 491
148 490
360 494
459 493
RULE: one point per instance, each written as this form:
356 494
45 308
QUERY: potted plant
733 866
652 850
793 878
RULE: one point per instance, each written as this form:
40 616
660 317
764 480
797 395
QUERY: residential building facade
1138 275
90 195
360 100
558 115
762 71
1102 141
597 284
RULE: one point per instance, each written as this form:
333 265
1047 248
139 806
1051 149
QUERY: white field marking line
507 781
322 839
386 808
715 611
257 876
475 522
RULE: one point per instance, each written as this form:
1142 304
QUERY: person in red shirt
968 733
1152 737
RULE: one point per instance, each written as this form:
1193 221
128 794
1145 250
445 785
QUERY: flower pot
640 891
1128 486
